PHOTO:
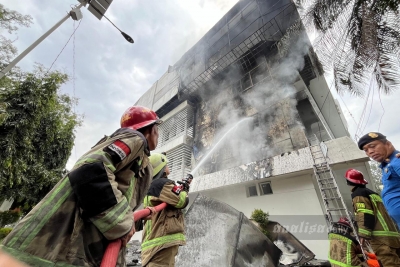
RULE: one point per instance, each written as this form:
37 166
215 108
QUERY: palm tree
360 40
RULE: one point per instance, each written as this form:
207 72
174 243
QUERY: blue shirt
391 186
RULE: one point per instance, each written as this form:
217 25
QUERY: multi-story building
248 111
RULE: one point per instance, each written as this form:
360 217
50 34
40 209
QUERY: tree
261 218
360 40
36 134
36 124
376 175
9 21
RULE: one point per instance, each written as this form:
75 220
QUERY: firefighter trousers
164 258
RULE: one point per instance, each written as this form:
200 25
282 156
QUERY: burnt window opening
246 82
314 129
248 62
259 73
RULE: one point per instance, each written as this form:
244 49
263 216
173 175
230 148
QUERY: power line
372 103
73 33
359 125
348 110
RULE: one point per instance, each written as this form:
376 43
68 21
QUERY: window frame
248 191
262 191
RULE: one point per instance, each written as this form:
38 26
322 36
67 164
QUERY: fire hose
111 254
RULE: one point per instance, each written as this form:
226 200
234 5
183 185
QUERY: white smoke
274 98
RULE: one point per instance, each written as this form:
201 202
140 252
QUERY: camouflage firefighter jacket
93 204
372 218
343 251
165 228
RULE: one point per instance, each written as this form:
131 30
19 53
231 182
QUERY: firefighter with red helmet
344 249
373 221
94 202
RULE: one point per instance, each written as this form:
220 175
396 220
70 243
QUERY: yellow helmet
158 161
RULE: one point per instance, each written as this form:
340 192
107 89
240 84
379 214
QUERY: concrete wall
293 199
161 91
319 89
283 164
342 150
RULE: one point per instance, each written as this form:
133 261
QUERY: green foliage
260 217
4 232
36 134
9 21
9 217
376 175
36 124
359 39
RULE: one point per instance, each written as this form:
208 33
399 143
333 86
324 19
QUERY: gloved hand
125 239
152 211
372 260
185 185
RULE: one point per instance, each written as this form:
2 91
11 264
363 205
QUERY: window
265 188
252 191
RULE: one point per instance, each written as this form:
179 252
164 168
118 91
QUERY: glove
372 260
373 263
185 185
152 211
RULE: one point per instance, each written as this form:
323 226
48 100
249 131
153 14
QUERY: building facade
249 113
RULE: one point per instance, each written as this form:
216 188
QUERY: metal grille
176 126
179 162
245 51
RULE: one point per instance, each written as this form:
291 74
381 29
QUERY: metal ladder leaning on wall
331 197
335 207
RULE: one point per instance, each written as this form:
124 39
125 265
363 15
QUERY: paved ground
133 253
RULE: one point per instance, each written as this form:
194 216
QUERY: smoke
270 102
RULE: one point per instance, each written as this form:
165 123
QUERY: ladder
335 207
334 204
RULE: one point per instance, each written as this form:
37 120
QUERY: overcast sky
111 74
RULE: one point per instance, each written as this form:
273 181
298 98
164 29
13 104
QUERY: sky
108 74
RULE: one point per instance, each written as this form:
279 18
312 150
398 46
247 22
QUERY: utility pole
75 14
97 7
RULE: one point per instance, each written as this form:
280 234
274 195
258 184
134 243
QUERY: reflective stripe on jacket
343 251
372 218
93 204
165 228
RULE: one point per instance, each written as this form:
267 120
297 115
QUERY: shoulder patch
176 189
118 151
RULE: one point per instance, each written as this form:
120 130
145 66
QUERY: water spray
216 145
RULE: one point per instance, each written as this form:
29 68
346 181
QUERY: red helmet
139 117
354 176
344 221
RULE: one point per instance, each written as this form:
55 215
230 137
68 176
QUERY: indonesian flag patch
176 189
118 151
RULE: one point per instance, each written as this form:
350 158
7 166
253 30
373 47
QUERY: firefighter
94 202
374 222
344 249
163 232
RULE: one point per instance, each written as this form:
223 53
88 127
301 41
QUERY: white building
256 63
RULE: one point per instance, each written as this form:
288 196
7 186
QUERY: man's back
165 229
